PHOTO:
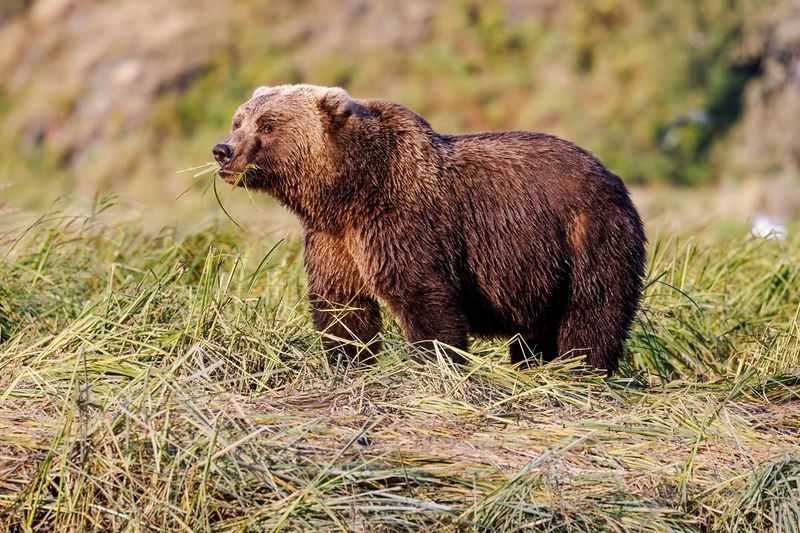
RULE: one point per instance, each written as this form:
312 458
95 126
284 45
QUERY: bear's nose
222 153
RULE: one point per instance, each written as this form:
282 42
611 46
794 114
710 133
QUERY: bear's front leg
341 305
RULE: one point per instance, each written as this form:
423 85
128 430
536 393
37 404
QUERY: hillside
117 96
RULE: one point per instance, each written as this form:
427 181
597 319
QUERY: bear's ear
337 105
260 91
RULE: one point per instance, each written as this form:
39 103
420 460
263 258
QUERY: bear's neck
380 172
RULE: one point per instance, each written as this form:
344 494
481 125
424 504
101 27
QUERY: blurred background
694 103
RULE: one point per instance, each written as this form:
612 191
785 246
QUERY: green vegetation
167 382
636 70
656 89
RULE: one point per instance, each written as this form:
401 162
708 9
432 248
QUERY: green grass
175 382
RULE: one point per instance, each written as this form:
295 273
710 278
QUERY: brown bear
507 234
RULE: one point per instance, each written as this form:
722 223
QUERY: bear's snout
223 153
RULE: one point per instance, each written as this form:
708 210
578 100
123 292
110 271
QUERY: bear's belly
513 280
502 313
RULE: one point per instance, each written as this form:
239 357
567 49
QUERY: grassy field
174 382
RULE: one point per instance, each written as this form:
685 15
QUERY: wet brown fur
510 234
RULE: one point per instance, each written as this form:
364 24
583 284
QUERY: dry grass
176 383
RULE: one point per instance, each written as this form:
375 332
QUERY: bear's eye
237 124
265 127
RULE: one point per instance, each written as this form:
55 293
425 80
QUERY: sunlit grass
156 382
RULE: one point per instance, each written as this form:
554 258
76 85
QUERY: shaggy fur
494 234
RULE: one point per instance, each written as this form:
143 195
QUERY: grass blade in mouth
238 179
201 170
240 176
216 195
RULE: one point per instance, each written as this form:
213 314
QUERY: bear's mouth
234 178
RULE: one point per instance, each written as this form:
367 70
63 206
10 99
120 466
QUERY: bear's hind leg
593 336
604 290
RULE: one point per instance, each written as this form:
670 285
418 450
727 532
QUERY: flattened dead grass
176 383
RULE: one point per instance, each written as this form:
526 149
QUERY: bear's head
285 139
